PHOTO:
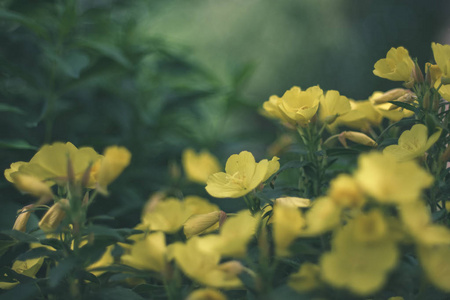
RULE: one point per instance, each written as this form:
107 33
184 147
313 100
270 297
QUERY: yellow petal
115 160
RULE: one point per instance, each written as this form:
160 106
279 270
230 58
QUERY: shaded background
160 76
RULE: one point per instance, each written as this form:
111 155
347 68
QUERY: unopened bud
153 201
417 74
22 218
445 157
198 224
54 216
435 103
174 170
391 95
330 119
293 201
232 267
433 74
356 137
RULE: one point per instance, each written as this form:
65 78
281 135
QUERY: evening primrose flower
54 216
204 266
33 186
199 166
27 267
442 57
345 191
397 66
333 105
206 294
306 279
413 143
288 223
435 262
363 116
114 161
50 163
388 110
389 181
242 175
295 107
362 255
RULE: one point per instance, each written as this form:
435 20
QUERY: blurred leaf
40 252
25 291
342 151
20 236
55 243
107 50
85 275
438 215
71 64
116 293
17 144
10 108
60 271
27 22
5 245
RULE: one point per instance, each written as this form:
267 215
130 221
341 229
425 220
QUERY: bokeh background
159 76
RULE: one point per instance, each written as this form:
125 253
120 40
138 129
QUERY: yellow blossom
345 191
333 105
413 143
242 175
27 267
148 253
32 185
106 260
169 215
235 234
204 267
202 223
22 218
115 160
306 279
362 116
288 223
323 216
206 294
361 257
435 262
293 201
390 181
296 107
397 66
50 163
199 166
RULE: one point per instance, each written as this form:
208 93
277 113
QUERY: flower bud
293 201
197 224
391 95
54 216
417 74
435 103
426 100
357 137
232 267
22 218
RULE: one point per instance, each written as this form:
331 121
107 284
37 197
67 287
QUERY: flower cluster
365 209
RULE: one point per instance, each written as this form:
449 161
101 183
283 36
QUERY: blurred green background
160 76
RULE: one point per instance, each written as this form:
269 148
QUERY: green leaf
58 273
25 291
70 64
20 236
116 293
26 22
17 144
405 105
5 245
107 50
40 252
11 109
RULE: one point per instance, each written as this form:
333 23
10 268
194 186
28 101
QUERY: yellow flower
111 165
22 218
242 175
203 266
148 253
389 181
50 163
234 236
293 202
199 166
306 279
361 257
169 215
296 107
288 223
106 260
435 262
397 66
332 106
362 116
442 57
206 294
345 191
32 185
413 143
27 267
323 216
